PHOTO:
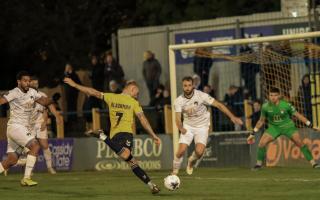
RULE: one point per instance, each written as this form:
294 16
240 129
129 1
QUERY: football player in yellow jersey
122 108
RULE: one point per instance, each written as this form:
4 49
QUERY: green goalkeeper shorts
276 131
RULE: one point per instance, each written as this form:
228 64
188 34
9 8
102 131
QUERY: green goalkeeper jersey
278 115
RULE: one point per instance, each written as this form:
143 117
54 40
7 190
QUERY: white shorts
200 135
18 137
36 131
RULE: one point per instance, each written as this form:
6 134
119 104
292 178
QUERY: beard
25 89
188 93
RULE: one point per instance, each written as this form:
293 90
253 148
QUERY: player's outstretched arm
84 89
146 125
179 123
303 119
45 120
56 114
45 101
3 100
225 110
260 123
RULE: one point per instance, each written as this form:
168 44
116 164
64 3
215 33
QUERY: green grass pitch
204 184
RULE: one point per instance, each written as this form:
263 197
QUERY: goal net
242 71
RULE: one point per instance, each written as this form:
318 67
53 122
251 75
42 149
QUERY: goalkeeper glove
310 125
251 138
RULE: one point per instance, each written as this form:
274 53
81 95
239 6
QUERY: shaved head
131 82
131 88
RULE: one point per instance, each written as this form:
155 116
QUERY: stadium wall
78 154
224 149
92 154
227 149
62 155
133 42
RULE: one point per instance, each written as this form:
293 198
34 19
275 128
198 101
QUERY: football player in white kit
38 123
20 139
196 121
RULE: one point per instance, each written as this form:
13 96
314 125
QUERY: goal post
192 46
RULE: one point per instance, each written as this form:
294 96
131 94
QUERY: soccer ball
172 182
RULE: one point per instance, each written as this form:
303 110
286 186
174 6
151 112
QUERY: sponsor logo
61 155
283 150
142 148
233 141
209 155
295 30
117 164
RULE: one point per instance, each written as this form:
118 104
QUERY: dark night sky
69 30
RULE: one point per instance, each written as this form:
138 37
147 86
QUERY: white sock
312 162
150 184
47 156
259 162
1 168
22 161
31 161
177 164
102 136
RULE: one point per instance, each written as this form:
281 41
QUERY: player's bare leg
179 158
196 155
47 155
31 160
264 141
21 162
304 149
11 160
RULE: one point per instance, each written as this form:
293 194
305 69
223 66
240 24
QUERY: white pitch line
249 179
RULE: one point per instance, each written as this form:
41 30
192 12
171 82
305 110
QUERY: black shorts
123 139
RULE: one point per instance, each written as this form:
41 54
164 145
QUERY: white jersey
194 110
37 112
21 105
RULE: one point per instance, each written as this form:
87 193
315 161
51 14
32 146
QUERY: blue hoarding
186 56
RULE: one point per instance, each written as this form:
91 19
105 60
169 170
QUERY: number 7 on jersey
119 115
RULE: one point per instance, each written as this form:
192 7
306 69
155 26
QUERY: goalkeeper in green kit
278 114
